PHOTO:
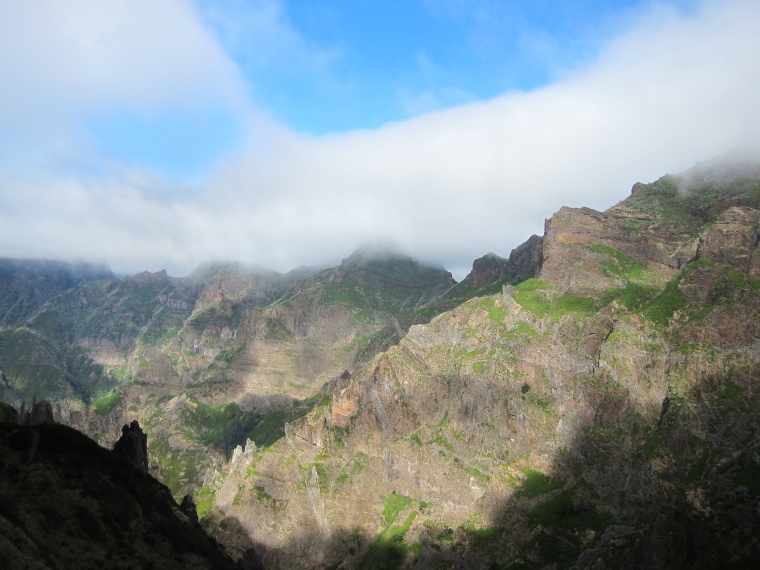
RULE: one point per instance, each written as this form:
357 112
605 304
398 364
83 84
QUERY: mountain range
589 402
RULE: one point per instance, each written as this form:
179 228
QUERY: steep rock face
524 262
133 446
65 502
490 272
210 359
604 415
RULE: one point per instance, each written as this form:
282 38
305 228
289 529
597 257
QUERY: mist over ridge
669 87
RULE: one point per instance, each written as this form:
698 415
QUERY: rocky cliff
65 502
208 360
590 402
602 415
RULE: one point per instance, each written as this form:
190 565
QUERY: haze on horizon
281 133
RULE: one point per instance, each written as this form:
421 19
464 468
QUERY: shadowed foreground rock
66 502
133 446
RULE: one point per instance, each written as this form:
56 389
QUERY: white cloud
259 33
448 186
66 63
83 53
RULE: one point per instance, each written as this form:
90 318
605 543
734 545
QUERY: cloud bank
447 187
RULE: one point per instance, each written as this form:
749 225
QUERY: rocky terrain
205 361
590 402
602 415
65 502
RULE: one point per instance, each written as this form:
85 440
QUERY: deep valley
590 402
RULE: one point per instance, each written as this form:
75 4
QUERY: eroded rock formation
133 445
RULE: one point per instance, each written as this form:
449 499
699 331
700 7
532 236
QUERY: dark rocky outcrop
250 560
188 507
133 446
39 413
65 502
8 414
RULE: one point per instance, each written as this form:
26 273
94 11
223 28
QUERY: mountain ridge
589 402
603 415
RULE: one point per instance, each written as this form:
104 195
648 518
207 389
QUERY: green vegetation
699 467
229 355
732 281
389 550
567 510
532 284
37 365
535 297
484 537
536 484
276 330
175 468
440 430
474 472
748 190
732 392
523 329
345 293
262 495
496 314
618 264
271 427
105 405
701 263
352 467
566 521
237 499
446 535
395 287
662 308
224 426
394 504
653 442
204 500
632 225
682 211
541 403
635 296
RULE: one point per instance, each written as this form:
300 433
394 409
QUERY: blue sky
330 66
284 132
379 61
